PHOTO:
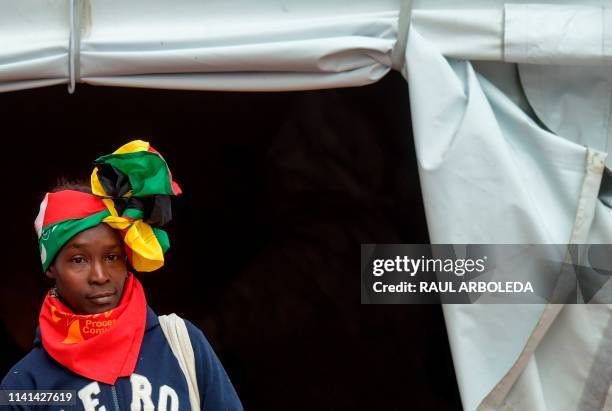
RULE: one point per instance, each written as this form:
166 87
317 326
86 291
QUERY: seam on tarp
85 22
594 166
603 34
595 392
496 397
498 394
609 123
607 21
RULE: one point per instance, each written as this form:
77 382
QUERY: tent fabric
548 34
34 38
522 33
281 46
207 46
516 160
580 110
523 184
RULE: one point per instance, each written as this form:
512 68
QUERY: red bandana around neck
103 346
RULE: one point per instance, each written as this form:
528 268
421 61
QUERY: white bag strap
176 333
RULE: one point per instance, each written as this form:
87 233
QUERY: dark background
280 190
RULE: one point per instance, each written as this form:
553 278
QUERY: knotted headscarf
131 193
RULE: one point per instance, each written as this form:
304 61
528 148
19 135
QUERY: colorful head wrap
131 193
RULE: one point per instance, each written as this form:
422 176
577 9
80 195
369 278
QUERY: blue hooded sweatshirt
156 384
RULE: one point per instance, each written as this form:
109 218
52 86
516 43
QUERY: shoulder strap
176 333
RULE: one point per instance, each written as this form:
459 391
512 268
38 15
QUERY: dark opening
280 190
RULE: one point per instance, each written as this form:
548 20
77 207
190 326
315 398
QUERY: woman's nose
98 274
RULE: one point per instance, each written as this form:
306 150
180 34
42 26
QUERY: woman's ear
51 272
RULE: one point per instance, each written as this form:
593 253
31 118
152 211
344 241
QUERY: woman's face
90 270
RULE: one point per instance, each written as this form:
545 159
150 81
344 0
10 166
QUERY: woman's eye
77 260
112 257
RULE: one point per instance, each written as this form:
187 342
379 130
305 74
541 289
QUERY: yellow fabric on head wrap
133 174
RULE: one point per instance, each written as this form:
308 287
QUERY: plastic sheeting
578 111
491 171
190 44
521 33
491 174
281 45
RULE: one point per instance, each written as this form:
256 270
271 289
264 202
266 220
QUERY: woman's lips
102 298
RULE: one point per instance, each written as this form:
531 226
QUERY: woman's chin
97 307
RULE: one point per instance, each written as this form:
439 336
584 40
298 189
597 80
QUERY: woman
97 336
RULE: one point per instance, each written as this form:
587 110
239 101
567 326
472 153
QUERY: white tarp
192 44
491 171
522 185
